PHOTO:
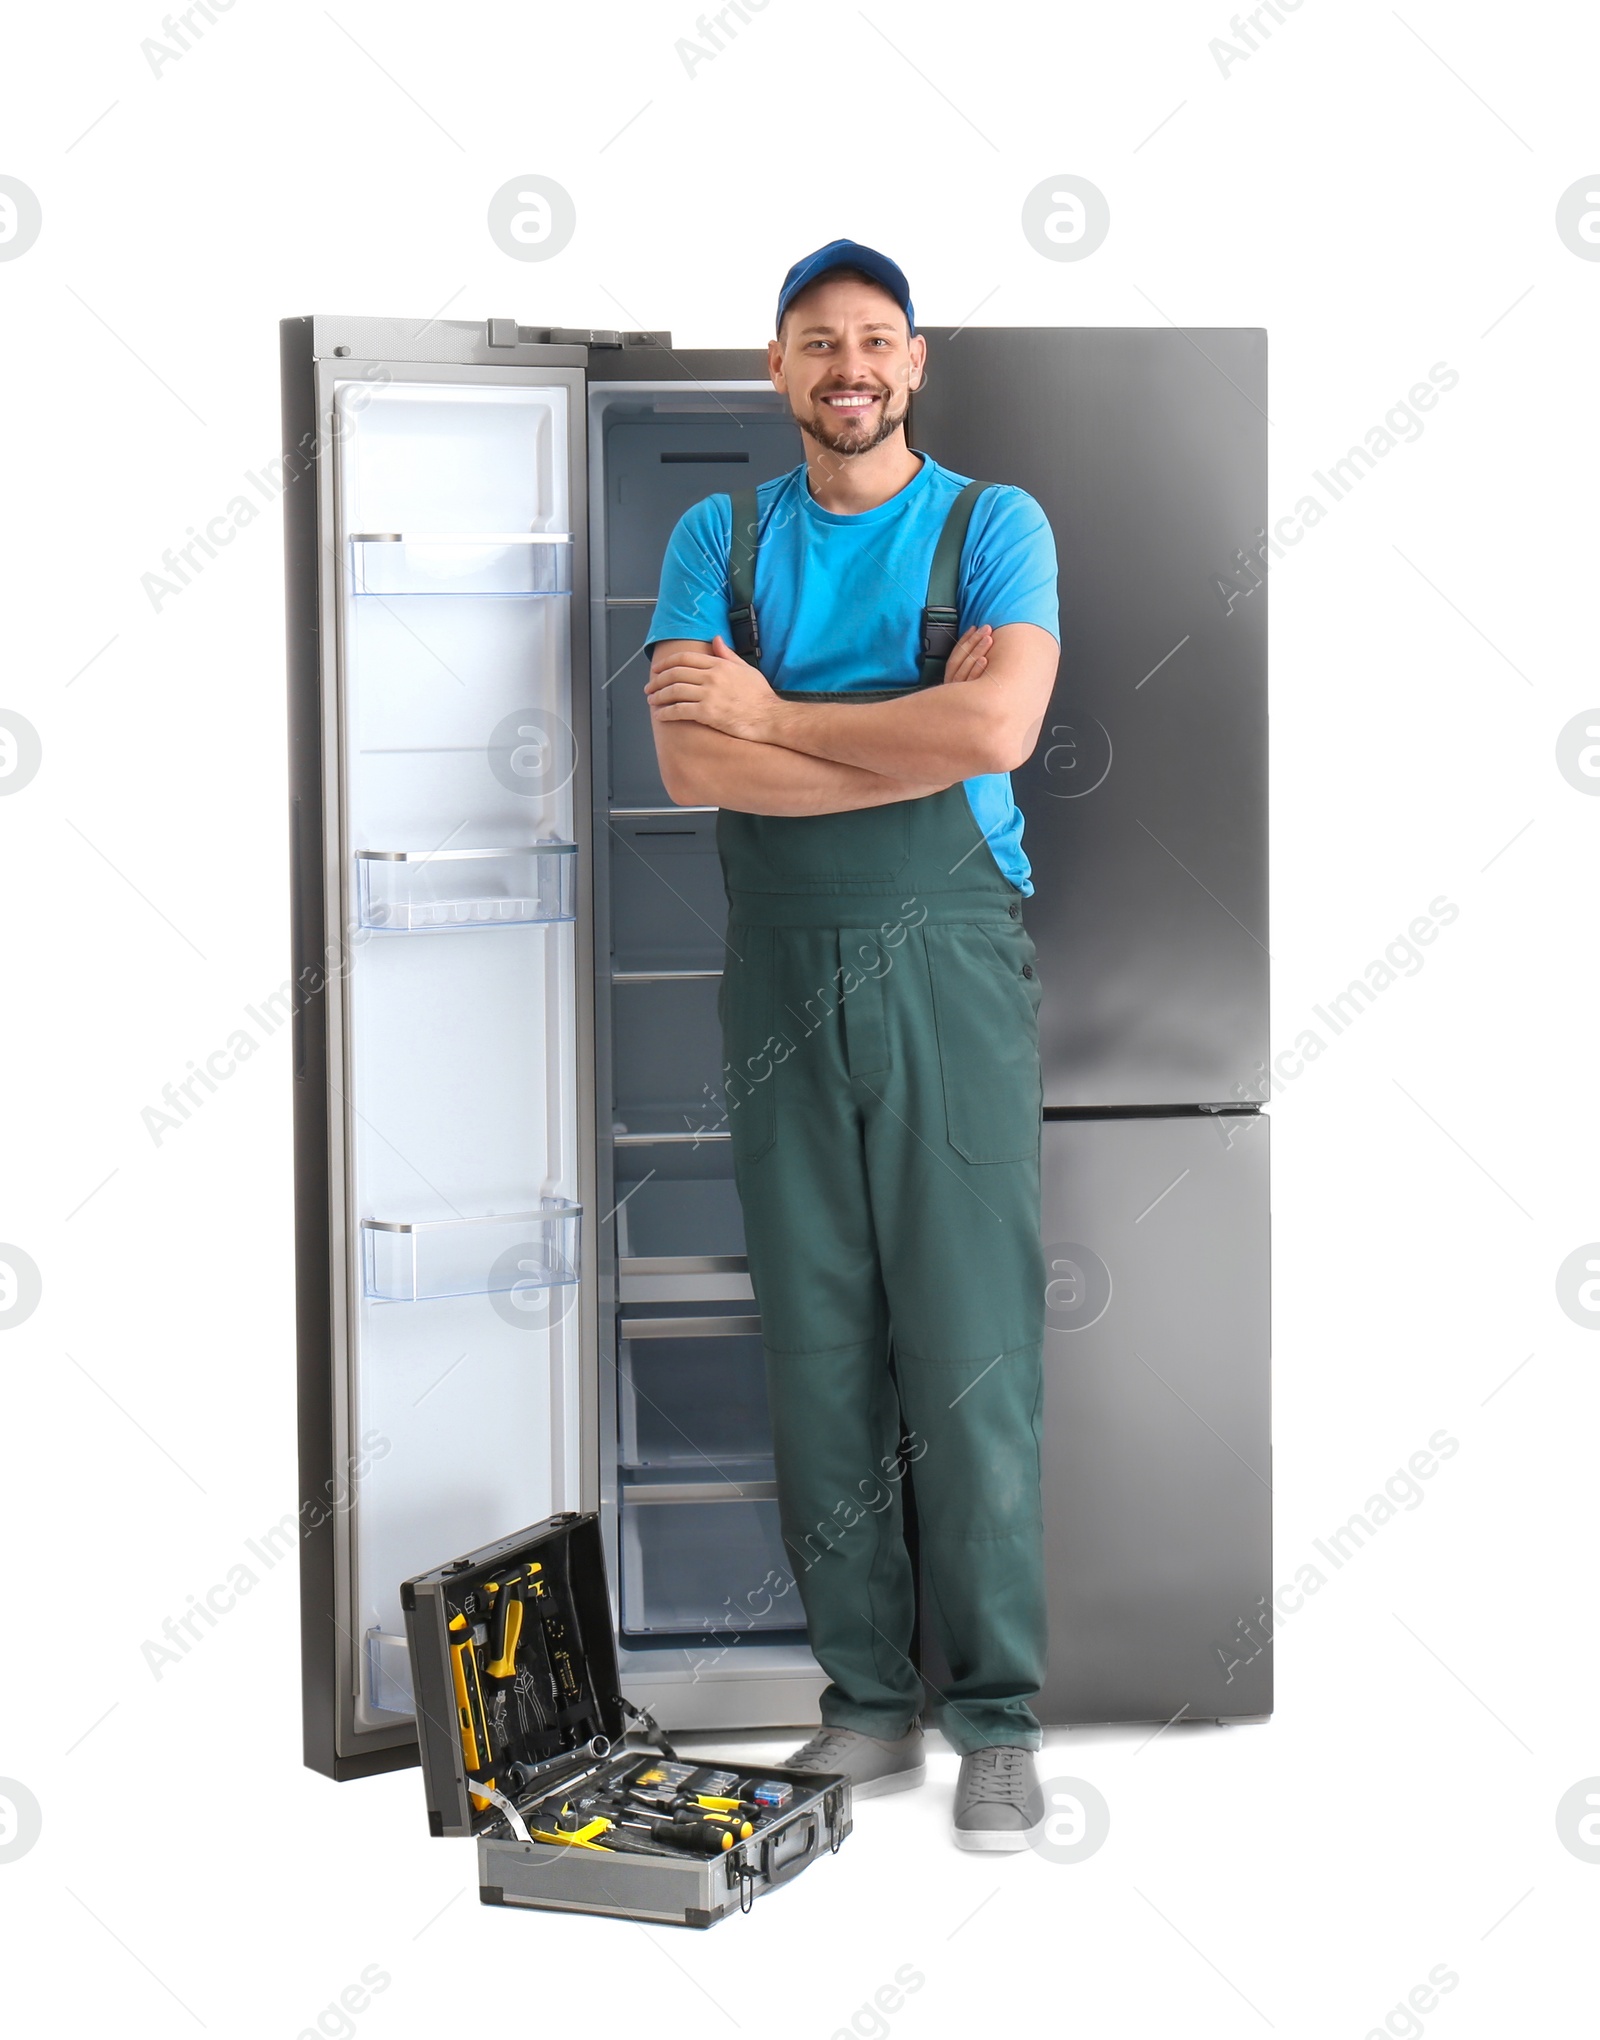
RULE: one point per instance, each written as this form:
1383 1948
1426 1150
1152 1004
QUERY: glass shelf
416 892
461 563
419 1260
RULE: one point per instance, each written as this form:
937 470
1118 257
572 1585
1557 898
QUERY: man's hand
715 687
718 688
971 654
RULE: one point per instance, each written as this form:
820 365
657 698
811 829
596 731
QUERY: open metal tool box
520 1722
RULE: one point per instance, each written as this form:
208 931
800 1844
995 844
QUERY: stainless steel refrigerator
520 1275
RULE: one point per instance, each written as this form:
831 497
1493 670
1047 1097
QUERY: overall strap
742 575
941 615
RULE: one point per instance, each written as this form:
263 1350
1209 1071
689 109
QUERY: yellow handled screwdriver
508 1632
469 1703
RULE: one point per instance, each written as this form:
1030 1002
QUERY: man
879 1011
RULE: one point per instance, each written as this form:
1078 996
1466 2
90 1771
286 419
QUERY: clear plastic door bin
413 1260
412 892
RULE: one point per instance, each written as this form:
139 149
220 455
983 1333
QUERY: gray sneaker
998 1801
871 1766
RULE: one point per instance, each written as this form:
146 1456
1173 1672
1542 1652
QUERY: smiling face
846 363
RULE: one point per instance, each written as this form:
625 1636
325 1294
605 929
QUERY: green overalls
879 1013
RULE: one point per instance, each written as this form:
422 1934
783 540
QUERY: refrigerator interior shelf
689 1327
461 538
691 1285
411 892
461 563
671 1494
661 977
418 1260
683 1264
626 1139
653 814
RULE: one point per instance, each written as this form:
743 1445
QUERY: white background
1376 189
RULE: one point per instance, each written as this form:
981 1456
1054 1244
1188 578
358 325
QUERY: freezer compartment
663 450
416 1261
425 891
667 1060
669 910
478 563
693 1404
709 1568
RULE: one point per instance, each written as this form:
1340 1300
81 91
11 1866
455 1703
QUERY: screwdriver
685 1811
469 1702
746 1810
502 1666
508 1631
706 1837
588 1836
700 1837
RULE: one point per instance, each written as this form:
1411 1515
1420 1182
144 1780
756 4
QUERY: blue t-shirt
839 598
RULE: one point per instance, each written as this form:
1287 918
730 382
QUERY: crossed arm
725 739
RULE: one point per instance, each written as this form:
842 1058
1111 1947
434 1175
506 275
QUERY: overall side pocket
986 1010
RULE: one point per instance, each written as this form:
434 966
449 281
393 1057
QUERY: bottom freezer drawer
698 1568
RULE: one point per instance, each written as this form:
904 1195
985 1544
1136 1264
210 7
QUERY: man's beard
845 436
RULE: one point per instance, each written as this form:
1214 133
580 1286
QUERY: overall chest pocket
986 1009
815 853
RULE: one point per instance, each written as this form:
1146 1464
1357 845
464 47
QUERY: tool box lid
567 1663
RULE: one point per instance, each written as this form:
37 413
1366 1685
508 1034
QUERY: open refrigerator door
457 1026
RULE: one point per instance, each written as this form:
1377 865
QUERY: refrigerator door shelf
476 563
388 1674
518 1252
704 1567
414 892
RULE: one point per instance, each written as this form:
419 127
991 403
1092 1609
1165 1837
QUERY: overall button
1027 970
1013 910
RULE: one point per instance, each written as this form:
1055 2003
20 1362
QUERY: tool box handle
791 1866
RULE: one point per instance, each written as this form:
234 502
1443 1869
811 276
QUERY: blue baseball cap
847 255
